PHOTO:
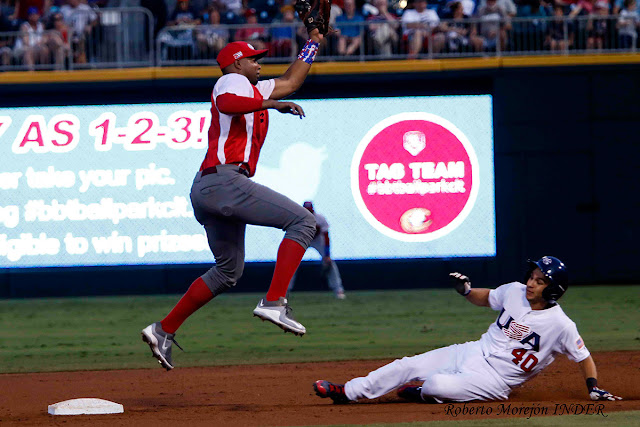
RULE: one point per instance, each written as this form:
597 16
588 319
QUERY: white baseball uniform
318 243
518 345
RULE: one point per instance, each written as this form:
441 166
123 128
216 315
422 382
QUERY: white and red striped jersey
237 138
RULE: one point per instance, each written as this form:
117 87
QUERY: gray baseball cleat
280 314
160 343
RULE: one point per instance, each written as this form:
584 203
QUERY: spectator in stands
533 9
337 9
8 16
236 7
383 28
253 32
281 37
567 5
81 19
628 24
58 37
31 45
458 29
492 28
183 14
556 39
598 27
6 9
421 26
508 6
583 7
617 7
530 35
22 9
468 7
211 38
6 41
178 43
266 10
349 38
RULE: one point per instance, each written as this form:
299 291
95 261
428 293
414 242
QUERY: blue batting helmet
554 270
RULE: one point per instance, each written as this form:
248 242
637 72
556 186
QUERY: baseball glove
315 15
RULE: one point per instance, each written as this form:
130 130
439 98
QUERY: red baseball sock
290 254
196 296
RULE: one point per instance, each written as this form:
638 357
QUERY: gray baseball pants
224 203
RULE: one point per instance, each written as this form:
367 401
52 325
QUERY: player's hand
289 108
599 394
326 261
461 283
315 35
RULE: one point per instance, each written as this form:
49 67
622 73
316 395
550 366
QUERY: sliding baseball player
531 329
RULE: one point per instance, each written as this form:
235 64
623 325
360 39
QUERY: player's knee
303 229
436 386
222 277
308 224
232 273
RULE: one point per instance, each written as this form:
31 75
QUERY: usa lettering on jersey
519 332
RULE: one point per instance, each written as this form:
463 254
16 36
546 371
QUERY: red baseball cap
237 50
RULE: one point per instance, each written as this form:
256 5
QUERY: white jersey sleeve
265 87
572 344
234 83
497 296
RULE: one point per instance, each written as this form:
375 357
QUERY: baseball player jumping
529 332
321 243
225 200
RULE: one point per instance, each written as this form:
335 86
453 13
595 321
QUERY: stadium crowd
57 32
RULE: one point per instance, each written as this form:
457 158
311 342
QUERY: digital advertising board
398 177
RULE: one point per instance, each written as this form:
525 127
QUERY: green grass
104 333
618 419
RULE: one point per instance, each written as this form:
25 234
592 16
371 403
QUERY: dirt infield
279 395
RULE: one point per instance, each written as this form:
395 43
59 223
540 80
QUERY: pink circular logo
414 177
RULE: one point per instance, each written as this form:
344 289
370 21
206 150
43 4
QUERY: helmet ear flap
549 293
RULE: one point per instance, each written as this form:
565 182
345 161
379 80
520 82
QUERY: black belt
242 169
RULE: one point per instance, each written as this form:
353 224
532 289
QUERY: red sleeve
228 103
